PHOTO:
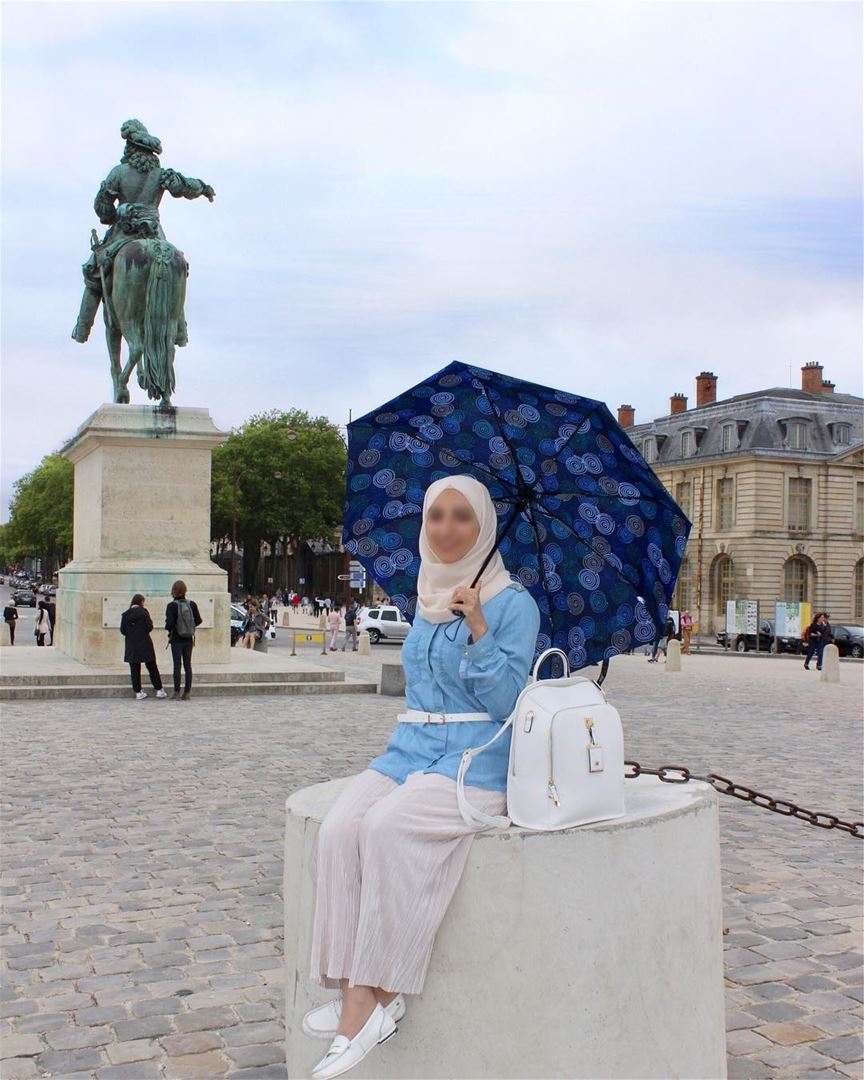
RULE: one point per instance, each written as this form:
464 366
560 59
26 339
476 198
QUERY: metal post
234 531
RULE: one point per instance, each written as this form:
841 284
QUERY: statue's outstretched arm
185 187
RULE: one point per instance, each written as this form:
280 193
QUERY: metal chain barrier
680 774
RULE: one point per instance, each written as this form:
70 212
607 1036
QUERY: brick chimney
706 388
626 416
827 387
811 377
677 404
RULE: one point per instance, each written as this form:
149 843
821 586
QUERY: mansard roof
762 422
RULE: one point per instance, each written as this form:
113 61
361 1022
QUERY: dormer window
687 444
794 432
728 437
796 436
649 449
841 434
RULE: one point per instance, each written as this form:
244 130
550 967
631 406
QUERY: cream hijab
437 580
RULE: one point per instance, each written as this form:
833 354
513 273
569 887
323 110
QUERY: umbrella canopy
584 523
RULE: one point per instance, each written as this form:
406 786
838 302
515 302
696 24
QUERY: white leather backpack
566 756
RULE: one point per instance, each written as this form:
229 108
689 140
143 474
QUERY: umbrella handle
604 671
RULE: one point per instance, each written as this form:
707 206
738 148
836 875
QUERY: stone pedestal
592 952
142 520
673 655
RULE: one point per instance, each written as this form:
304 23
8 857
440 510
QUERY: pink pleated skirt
387 861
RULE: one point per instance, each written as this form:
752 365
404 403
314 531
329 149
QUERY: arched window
684 587
724 583
796 580
858 602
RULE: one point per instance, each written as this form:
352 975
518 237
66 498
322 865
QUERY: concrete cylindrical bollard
673 655
322 620
830 664
364 647
548 962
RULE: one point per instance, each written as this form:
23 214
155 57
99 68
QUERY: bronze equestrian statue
137 275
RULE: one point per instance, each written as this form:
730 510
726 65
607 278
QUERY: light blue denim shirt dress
458 675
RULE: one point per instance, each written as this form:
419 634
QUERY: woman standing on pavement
43 623
181 618
392 848
136 627
334 620
10 617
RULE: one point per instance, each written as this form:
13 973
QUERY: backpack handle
544 656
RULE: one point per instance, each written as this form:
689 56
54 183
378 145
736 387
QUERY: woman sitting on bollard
392 848
255 626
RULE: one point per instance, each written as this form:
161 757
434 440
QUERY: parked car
384 622
849 640
24 597
746 642
238 617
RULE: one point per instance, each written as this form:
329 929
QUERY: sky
603 197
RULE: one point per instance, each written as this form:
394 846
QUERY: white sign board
791 620
741 616
114 604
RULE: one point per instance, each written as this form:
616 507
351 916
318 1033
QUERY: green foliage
290 480
40 514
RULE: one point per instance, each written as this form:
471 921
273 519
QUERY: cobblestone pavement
142 851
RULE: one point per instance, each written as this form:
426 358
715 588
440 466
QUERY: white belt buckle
443 716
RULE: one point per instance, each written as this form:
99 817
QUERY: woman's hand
466 601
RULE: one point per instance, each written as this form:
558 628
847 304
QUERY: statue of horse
147 295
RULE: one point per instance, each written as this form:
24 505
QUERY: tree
288 470
40 515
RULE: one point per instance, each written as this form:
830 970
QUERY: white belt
417 716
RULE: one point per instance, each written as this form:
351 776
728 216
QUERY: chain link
680 774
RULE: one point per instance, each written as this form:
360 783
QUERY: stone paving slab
142 860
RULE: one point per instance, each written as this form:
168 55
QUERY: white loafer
322 1021
345 1053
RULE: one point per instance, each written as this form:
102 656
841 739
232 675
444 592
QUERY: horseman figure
134 272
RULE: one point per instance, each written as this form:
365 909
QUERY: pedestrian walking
662 642
254 626
351 625
42 627
817 636
392 847
136 626
10 617
295 602
686 630
181 618
334 621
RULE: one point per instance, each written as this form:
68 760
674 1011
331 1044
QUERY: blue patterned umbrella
583 521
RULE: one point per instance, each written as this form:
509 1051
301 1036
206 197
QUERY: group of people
683 632
181 619
817 635
334 622
43 628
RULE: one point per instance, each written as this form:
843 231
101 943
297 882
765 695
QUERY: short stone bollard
673 655
591 952
322 620
830 664
364 646
392 680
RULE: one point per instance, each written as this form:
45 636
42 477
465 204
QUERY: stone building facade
773 482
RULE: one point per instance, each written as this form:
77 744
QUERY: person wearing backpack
351 625
136 626
181 618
